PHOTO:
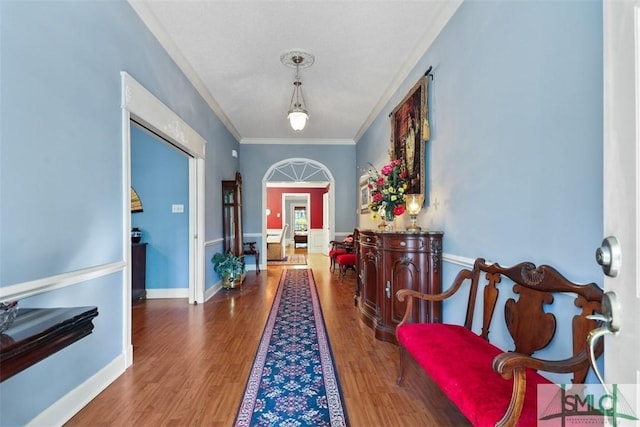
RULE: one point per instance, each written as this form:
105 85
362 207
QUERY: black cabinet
138 270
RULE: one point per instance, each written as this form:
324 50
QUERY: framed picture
409 133
365 194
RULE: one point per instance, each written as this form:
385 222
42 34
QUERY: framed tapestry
409 133
365 194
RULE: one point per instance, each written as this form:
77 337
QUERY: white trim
296 141
458 260
145 108
209 293
148 109
462 260
27 289
168 293
636 27
208 243
71 403
321 167
252 235
291 184
141 105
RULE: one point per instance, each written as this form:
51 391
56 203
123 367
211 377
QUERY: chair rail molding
34 287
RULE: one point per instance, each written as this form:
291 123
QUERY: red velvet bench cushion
461 364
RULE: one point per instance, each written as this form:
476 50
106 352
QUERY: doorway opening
142 106
307 175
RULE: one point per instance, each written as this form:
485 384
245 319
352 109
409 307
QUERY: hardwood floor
191 362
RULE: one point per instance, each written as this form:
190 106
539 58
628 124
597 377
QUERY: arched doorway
299 172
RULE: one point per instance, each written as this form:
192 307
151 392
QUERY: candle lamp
414 206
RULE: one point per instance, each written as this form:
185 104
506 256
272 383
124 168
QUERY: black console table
138 271
37 333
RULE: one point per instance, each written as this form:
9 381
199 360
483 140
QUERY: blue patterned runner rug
293 381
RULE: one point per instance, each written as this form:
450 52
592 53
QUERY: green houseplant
230 268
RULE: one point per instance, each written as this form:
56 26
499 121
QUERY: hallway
191 362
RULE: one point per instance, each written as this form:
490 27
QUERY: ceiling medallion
297 59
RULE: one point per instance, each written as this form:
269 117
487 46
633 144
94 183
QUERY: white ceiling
231 51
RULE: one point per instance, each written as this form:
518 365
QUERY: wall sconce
268 211
414 206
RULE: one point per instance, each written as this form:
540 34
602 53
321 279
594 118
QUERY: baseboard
212 291
71 403
168 293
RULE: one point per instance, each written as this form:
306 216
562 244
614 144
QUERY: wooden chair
250 248
339 247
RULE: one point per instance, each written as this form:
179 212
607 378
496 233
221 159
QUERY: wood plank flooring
191 362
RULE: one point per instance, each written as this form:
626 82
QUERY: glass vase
388 221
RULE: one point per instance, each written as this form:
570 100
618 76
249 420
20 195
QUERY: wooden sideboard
388 261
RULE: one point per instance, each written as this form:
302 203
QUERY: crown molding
433 30
296 141
149 19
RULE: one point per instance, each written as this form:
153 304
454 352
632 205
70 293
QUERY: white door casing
621 198
299 171
140 104
326 228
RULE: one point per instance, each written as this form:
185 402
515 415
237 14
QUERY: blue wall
61 169
255 160
160 175
515 157
514 161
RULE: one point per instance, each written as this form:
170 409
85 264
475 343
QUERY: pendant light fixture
297 114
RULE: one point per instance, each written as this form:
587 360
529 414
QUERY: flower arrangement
388 191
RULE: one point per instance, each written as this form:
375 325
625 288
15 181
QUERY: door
621 186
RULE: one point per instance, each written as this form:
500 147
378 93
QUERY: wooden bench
491 386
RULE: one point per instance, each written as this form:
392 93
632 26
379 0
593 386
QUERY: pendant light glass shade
298 119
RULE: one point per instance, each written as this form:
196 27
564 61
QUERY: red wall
274 203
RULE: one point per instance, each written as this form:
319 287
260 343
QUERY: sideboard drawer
414 243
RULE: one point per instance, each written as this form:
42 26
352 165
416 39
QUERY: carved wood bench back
530 325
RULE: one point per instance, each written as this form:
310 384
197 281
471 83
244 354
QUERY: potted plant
230 268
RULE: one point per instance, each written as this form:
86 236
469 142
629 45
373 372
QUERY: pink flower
387 169
377 197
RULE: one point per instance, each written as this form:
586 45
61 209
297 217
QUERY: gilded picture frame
365 194
409 134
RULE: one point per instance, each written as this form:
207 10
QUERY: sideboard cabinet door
368 277
403 260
